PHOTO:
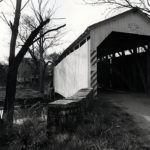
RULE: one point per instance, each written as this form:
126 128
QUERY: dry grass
109 126
21 93
104 127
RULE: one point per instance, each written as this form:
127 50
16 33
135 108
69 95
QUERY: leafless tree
15 60
114 5
40 48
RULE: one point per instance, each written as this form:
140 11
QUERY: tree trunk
41 64
12 70
14 63
10 95
41 78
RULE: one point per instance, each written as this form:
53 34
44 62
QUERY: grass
104 127
21 93
25 96
111 126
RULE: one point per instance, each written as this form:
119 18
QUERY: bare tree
39 50
15 60
114 5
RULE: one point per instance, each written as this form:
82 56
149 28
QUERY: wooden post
140 71
123 53
119 53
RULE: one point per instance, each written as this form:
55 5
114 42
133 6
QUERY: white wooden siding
128 23
72 73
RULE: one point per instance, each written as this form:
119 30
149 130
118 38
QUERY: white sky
78 18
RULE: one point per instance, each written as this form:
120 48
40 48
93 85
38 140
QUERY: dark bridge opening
124 62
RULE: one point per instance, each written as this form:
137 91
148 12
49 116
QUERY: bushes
6 137
30 135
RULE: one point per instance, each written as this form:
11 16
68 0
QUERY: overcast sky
78 18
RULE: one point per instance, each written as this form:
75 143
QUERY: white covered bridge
112 54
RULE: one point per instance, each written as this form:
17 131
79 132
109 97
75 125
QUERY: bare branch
12 4
29 41
34 11
51 30
143 5
25 5
148 2
5 20
46 39
31 52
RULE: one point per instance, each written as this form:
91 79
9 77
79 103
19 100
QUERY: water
1 113
22 117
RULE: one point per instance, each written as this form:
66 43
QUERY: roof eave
87 31
68 49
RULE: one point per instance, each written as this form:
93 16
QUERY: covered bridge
111 54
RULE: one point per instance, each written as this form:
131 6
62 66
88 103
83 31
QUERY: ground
21 93
110 123
136 104
25 96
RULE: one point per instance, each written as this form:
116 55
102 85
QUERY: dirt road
138 105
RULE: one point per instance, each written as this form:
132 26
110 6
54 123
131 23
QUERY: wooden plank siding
130 22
